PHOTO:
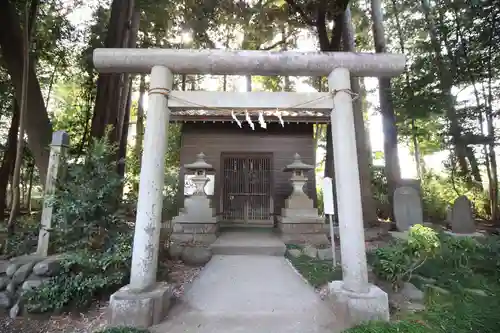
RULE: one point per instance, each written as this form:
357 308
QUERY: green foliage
465 263
460 264
84 276
462 313
317 272
440 191
123 330
25 238
380 190
422 241
320 203
88 227
86 207
402 326
397 262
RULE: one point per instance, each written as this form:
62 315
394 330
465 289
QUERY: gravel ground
95 318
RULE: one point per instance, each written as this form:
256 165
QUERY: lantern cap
199 164
297 164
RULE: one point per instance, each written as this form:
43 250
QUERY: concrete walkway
250 293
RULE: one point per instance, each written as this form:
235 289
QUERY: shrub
440 191
380 187
457 264
84 276
397 262
25 238
465 263
88 226
86 207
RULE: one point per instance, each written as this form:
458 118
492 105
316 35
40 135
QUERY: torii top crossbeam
238 62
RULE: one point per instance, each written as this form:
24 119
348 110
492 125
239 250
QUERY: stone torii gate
144 302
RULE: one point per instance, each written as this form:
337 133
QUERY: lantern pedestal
196 221
299 221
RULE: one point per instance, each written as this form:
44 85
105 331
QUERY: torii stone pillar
353 298
144 302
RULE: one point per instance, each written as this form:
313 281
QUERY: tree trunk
30 8
414 136
446 82
476 173
392 169
489 118
38 126
416 149
31 173
249 82
140 117
369 207
122 148
325 45
106 112
9 158
125 100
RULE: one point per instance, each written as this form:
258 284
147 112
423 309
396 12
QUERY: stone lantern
299 179
196 221
299 221
200 168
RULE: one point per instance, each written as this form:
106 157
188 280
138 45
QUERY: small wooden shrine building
250 186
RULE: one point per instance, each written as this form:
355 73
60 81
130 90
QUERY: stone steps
248 243
235 249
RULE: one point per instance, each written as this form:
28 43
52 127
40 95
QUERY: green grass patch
457 265
403 326
316 272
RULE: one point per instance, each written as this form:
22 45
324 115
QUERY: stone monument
196 221
407 208
462 219
299 221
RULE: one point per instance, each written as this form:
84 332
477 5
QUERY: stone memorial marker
407 208
462 221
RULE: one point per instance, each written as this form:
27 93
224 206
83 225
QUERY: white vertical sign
329 210
328 196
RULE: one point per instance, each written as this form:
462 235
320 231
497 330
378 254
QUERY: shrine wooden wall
283 142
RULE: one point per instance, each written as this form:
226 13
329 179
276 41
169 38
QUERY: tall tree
112 89
445 73
9 157
38 126
369 209
391 156
320 16
29 21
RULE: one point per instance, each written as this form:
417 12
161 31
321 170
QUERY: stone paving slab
257 294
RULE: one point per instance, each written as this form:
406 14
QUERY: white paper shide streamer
278 115
249 120
262 122
236 119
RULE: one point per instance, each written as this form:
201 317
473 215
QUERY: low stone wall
21 274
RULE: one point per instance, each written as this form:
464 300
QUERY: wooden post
60 142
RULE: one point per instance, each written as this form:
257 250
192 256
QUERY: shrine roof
299 116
